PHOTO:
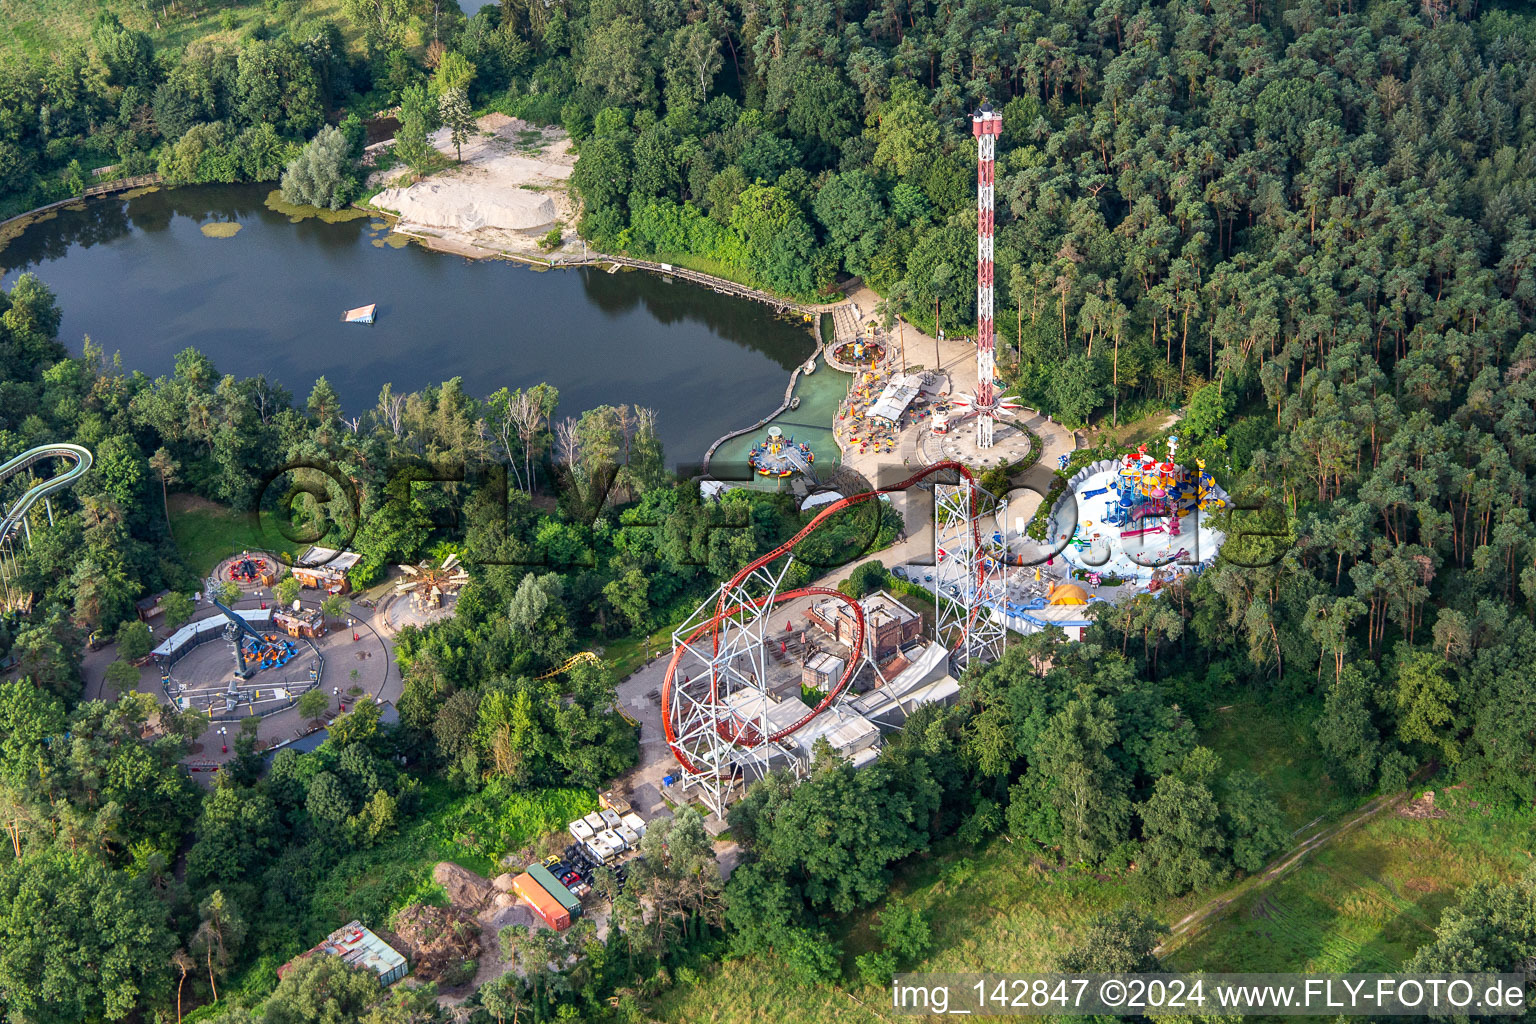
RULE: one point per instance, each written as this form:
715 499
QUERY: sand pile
512 182
469 206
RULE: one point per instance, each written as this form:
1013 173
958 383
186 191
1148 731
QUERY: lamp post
223 744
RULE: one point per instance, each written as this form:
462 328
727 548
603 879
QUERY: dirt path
1188 925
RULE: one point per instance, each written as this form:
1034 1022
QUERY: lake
141 276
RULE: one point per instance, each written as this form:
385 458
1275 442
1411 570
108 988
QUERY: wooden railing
122 185
105 188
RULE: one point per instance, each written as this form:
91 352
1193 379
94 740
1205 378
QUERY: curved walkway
789 397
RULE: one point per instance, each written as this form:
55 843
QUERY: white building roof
826 664
898 394
884 601
186 634
328 558
752 704
865 756
846 733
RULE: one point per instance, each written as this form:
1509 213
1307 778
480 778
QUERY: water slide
38 491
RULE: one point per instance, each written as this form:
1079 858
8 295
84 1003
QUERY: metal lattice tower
720 664
986 125
970 583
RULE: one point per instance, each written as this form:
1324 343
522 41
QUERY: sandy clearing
511 188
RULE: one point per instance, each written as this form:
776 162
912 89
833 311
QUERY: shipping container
557 889
543 904
581 830
611 837
635 822
599 849
610 818
596 821
630 836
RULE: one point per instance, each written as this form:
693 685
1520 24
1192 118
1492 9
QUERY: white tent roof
898 394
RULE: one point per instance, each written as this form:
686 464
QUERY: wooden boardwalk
105 188
122 185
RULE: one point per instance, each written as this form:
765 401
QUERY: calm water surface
140 277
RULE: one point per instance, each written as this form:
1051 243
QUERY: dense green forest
1309 223
93 794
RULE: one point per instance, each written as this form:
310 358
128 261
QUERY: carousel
859 352
780 456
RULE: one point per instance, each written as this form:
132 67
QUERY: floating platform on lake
360 315
780 456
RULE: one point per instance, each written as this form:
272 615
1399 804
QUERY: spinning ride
859 352
1152 528
780 456
249 569
715 705
427 584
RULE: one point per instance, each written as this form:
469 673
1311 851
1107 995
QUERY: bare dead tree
391 409
627 424
528 415
567 445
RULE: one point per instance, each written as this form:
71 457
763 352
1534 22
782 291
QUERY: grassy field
1369 899
473 831
207 533
1364 902
38 27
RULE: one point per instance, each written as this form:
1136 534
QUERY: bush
206 153
868 578
551 241
324 173
876 968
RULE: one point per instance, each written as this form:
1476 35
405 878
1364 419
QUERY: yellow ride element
570 663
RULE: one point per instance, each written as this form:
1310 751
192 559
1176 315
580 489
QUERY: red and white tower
986 125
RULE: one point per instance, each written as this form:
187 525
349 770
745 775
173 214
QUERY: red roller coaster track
741 736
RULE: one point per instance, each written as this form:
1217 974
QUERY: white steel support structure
723 737
986 125
970 583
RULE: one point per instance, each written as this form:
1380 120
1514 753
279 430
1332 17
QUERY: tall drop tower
986 125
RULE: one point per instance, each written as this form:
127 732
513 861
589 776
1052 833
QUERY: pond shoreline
267 301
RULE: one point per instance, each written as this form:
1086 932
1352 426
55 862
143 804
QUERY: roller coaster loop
743 735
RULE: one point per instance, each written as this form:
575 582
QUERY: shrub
324 173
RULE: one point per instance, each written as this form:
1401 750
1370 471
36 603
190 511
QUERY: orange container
543 904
